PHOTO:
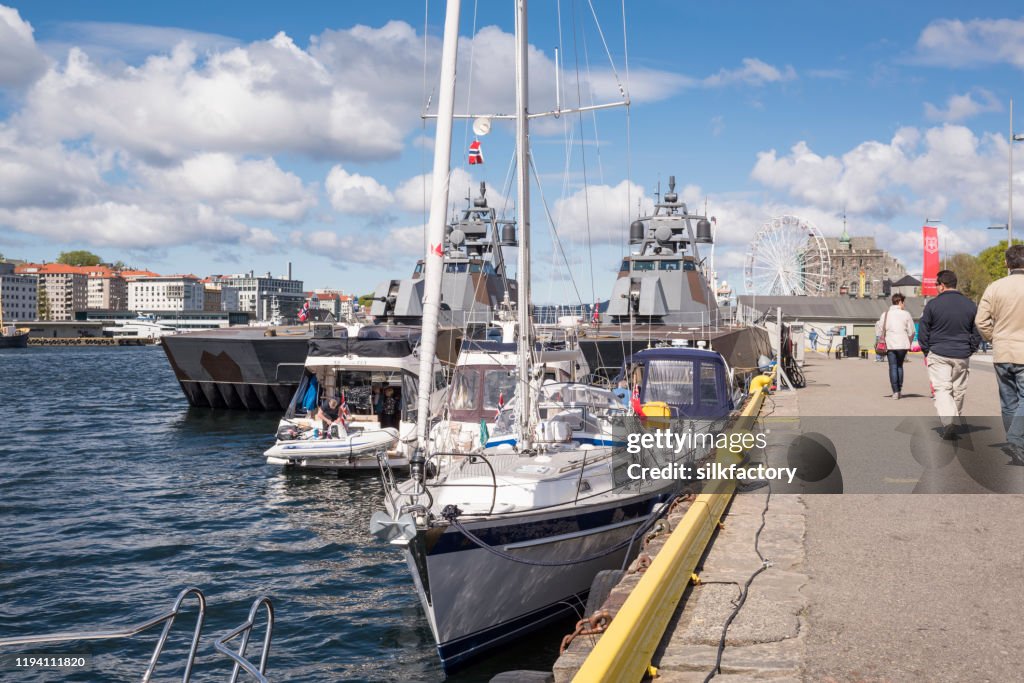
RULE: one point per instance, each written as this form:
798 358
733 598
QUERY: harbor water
114 496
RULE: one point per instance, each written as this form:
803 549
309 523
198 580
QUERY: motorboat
142 327
361 371
13 337
690 383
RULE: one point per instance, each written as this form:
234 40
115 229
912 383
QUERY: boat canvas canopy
367 348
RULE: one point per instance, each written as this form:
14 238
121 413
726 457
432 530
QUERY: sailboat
503 540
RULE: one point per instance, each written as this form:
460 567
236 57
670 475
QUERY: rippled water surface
114 496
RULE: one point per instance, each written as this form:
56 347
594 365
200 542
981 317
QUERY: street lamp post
1014 137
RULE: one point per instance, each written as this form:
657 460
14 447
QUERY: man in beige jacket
1001 321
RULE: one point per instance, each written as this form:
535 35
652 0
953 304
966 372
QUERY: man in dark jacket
948 336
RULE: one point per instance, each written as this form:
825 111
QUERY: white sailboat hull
475 599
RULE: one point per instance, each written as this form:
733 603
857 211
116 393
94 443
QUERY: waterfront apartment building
166 293
62 290
263 295
107 290
19 296
219 297
337 303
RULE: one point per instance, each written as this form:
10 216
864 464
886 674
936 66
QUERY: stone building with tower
850 256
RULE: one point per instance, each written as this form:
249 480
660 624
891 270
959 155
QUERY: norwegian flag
501 404
304 312
343 413
476 154
635 404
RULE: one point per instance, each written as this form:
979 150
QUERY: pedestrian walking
895 331
948 338
814 339
1001 320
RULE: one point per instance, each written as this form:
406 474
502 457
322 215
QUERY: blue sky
185 137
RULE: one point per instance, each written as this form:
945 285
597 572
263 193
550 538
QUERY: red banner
931 260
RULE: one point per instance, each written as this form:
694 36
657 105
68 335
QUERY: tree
119 265
365 300
972 276
993 260
79 257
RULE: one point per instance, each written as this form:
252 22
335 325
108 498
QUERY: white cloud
602 212
942 169
45 175
265 98
960 107
752 72
978 42
21 61
354 193
393 246
129 225
414 194
119 42
254 188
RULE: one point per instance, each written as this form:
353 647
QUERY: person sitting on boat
328 415
388 408
622 392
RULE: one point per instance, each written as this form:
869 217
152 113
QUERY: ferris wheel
787 256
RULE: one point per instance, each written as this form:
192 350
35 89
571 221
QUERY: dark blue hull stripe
453 541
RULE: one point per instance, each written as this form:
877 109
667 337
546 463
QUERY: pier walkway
868 580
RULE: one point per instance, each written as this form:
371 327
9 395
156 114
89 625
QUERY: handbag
880 346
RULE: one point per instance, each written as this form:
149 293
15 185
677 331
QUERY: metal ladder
167 619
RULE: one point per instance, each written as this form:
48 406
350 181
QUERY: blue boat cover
309 400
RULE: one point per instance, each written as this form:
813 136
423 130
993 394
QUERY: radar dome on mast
704 231
636 232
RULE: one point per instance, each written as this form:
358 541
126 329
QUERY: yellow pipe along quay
625 650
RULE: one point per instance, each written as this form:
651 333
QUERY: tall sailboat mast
523 263
434 260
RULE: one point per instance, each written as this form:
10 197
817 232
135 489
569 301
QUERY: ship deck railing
167 620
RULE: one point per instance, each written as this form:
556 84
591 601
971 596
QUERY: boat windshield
568 395
476 390
363 390
670 381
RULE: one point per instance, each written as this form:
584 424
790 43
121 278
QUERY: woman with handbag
895 330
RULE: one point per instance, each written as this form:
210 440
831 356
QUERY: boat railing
387 477
244 631
167 619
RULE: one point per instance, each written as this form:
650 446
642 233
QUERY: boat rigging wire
583 150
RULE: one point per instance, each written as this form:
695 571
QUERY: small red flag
634 403
476 154
436 250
